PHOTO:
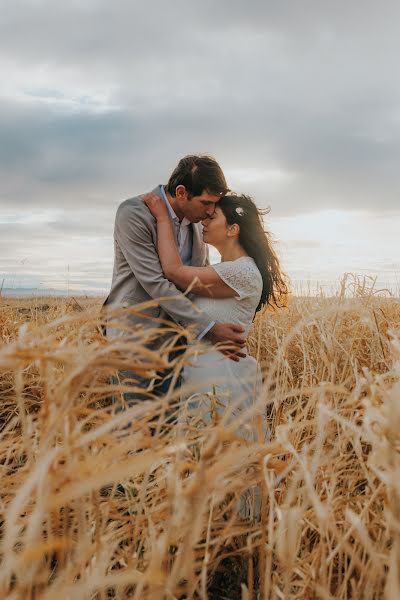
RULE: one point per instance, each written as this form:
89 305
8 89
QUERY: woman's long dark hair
257 243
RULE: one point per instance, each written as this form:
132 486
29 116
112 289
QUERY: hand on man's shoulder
133 207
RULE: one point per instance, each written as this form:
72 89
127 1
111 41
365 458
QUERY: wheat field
100 503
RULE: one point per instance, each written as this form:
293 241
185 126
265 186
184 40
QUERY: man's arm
137 245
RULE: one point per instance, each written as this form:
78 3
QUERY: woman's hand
156 206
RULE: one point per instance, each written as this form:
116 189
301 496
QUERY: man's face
197 208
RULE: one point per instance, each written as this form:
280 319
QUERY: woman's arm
202 281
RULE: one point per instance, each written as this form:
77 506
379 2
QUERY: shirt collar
185 222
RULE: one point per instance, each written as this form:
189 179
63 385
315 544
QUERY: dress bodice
243 276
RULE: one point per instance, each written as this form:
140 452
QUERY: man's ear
180 192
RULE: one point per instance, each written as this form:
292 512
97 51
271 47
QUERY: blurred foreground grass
329 525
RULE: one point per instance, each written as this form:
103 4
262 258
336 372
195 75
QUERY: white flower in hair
240 211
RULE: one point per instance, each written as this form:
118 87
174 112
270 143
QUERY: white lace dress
216 386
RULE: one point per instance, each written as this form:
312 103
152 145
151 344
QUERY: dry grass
330 476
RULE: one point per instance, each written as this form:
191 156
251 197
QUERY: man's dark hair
198 173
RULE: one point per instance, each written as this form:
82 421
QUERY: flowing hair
257 243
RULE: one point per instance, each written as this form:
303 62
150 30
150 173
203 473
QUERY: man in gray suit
194 188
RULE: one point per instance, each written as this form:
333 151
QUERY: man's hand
229 339
156 206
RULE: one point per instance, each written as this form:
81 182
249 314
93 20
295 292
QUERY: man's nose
210 211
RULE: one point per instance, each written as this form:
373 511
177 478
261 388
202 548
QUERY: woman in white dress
247 278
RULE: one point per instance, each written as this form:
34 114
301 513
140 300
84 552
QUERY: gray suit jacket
137 274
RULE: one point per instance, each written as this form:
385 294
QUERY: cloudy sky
298 100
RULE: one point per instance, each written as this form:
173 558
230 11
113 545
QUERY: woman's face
215 228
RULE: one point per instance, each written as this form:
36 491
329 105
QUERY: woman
247 278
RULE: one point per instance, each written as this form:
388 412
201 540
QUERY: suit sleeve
137 245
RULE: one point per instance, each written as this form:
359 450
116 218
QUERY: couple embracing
160 245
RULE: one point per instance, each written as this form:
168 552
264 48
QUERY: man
192 192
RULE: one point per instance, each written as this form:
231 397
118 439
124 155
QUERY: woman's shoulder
242 274
243 264
247 265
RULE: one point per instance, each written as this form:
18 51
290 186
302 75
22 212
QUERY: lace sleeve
241 275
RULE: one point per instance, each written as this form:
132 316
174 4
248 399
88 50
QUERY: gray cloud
98 101
270 85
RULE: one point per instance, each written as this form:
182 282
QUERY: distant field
329 524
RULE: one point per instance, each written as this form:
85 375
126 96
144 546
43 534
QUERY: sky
299 101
